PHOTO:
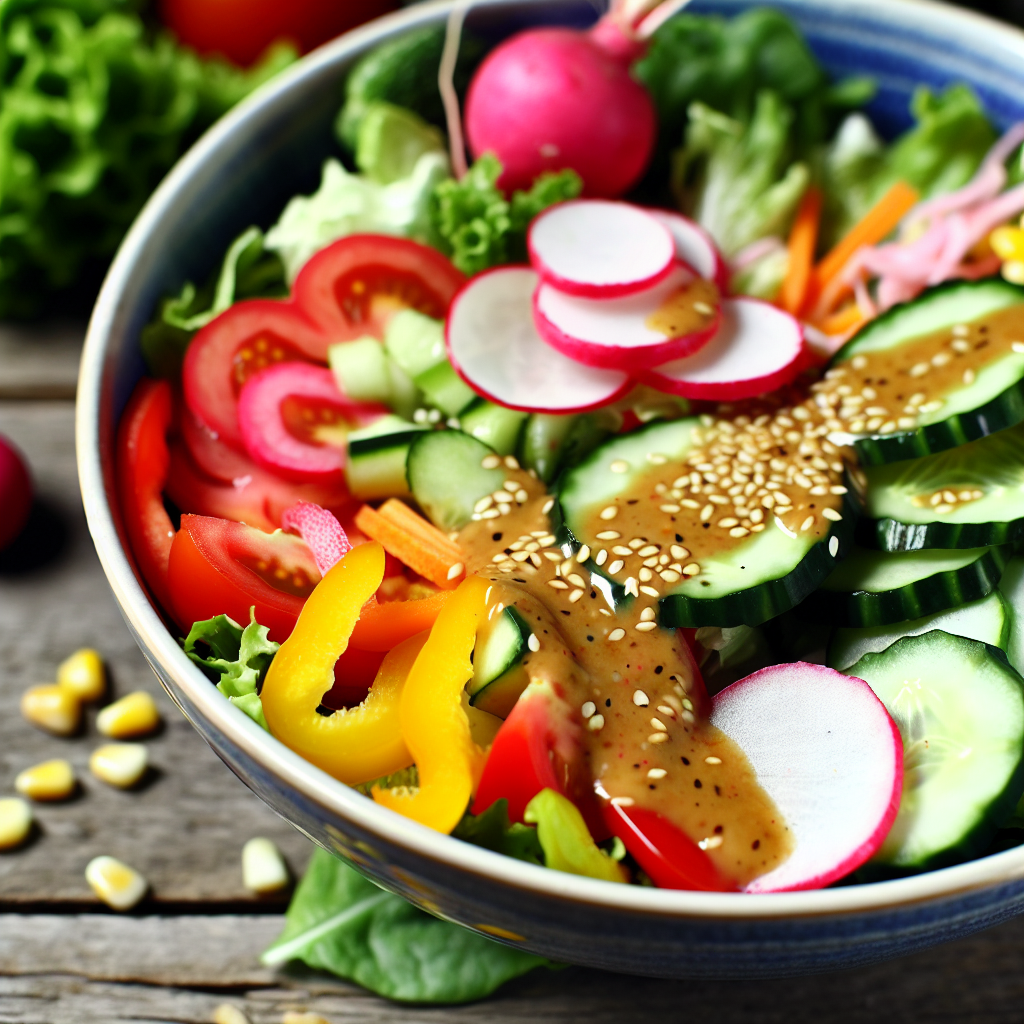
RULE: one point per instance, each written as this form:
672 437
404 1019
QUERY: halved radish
675 318
294 420
695 247
825 750
599 249
321 531
210 454
757 348
494 346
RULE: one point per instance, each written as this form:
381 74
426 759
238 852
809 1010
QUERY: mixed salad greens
568 497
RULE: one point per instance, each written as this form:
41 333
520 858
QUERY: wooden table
195 943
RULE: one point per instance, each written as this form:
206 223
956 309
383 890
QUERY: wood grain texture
185 828
976 981
40 361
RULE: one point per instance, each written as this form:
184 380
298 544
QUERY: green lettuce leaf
740 180
247 271
237 659
492 831
94 110
479 227
341 922
348 203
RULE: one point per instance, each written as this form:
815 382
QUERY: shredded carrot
382 627
871 229
845 320
803 239
414 542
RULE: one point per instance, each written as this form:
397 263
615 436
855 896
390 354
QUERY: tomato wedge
219 567
142 468
353 287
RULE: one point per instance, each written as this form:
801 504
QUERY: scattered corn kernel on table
194 943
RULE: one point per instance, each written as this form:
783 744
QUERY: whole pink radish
554 98
15 493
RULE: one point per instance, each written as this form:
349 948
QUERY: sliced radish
494 346
695 247
210 454
600 249
757 348
294 420
675 318
321 531
826 751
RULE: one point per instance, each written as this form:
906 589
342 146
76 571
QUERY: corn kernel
15 822
83 674
134 715
1007 243
228 1014
119 764
118 885
263 867
52 708
51 780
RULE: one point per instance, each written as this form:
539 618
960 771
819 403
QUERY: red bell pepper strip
141 470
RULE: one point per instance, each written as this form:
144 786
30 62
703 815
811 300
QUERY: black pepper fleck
697 784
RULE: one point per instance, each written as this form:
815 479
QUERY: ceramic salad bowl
242 172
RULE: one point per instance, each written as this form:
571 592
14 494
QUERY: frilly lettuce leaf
239 657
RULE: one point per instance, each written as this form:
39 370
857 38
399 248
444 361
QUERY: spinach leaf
239 657
340 922
492 831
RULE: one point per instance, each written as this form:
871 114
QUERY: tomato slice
295 421
219 567
210 454
245 339
353 287
670 858
142 468
257 497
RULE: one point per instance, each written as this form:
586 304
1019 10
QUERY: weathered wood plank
40 361
185 829
976 980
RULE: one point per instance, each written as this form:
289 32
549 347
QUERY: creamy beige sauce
888 391
689 309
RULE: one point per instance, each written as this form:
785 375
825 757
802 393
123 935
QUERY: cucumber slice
876 588
377 454
988 620
960 710
764 576
366 373
415 342
444 389
993 401
1012 588
498 673
550 442
493 424
447 478
909 502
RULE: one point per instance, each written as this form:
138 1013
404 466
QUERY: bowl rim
316 786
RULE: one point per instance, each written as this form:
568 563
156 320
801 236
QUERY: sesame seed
831 513
546 540
646 627
616 566
640 699
679 552
609 535
968 376
596 724
833 546
511 462
807 524
610 512
589 709
649 591
666 710
553 556
712 760
616 634
669 576
602 557
656 459
630 587
658 737
711 843
583 554
533 643
491 513
521 496
548 506
692 569
502 496
647 615
919 369
622 801
621 549
657 773
619 466
728 522
576 580
484 503
657 723
520 556
738 531
645 575
687 716
669 509
706 512
1017 346
558 585
565 568
575 596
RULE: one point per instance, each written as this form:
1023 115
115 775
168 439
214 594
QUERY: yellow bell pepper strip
435 726
566 841
354 745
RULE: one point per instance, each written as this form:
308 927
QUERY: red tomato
346 291
670 858
256 497
218 567
242 29
142 467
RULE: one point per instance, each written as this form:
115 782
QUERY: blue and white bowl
242 172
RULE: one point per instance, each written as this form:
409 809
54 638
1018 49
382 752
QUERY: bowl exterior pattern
243 172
